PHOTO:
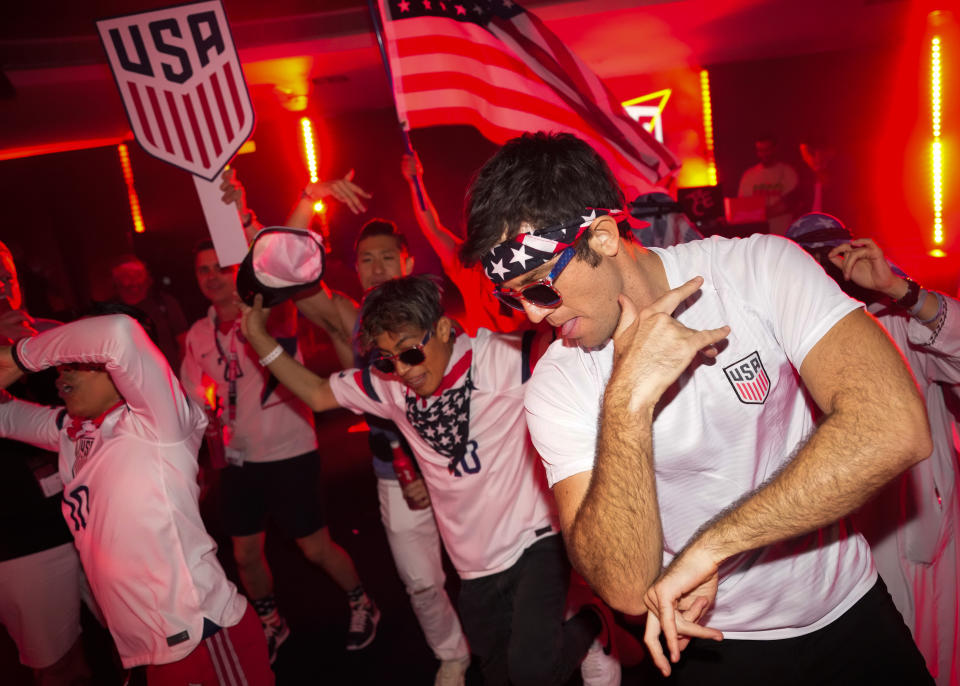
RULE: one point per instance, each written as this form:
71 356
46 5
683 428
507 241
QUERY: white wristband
271 356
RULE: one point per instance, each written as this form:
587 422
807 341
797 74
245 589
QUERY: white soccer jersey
492 502
271 422
130 491
730 426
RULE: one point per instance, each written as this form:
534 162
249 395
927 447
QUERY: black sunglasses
410 357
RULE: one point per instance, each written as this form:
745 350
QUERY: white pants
415 544
40 603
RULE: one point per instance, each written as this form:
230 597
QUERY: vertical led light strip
937 151
131 191
310 153
708 126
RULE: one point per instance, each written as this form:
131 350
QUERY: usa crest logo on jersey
82 449
749 379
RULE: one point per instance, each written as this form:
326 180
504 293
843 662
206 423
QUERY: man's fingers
703 340
694 630
669 301
668 625
651 639
850 261
628 315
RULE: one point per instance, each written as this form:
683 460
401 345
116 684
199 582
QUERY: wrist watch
909 299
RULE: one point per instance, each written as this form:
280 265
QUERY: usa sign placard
179 75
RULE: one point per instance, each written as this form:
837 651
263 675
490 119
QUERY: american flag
495 66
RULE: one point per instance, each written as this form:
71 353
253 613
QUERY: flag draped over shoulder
493 65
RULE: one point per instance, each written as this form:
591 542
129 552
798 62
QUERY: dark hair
540 179
99 309
766 137
381 227
201 245
127 258
413 301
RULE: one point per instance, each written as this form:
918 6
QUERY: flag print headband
528 251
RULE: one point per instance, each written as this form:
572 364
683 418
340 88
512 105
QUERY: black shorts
868 645
288 491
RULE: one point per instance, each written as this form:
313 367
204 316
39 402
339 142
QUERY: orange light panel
708 126
309 148
936 148
131 190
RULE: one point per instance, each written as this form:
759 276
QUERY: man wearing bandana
690 480
458 401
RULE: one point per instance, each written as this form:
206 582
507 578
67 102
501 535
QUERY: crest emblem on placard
749 379
179 76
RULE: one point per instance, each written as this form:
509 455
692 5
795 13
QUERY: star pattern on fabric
445 424
498 269
427 5
521 256
461 10
404 6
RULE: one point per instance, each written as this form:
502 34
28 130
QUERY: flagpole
378 30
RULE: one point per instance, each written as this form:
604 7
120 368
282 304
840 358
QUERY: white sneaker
599 668
452 672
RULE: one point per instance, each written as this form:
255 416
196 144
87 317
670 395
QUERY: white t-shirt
130 491
729 427
271 422
492 504
772 183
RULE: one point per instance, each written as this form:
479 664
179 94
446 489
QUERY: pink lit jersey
272 423
491 501
725 427
130 491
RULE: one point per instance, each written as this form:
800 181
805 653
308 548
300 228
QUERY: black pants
514 620
867 645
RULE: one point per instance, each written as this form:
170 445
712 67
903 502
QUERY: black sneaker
364 617
276 633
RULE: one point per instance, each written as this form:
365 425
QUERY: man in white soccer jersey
691 486
458 401
382 254
128 443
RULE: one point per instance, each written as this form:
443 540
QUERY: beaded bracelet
941 304
271 356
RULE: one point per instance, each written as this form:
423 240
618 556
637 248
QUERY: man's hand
410 167
676 602
416 495
9 371
253 325
863 262
15 324
233 190
344 190
652 349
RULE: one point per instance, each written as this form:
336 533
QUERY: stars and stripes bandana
528 251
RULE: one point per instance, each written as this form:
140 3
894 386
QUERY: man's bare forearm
875 427
616 540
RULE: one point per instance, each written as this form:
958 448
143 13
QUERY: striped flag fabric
495 66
